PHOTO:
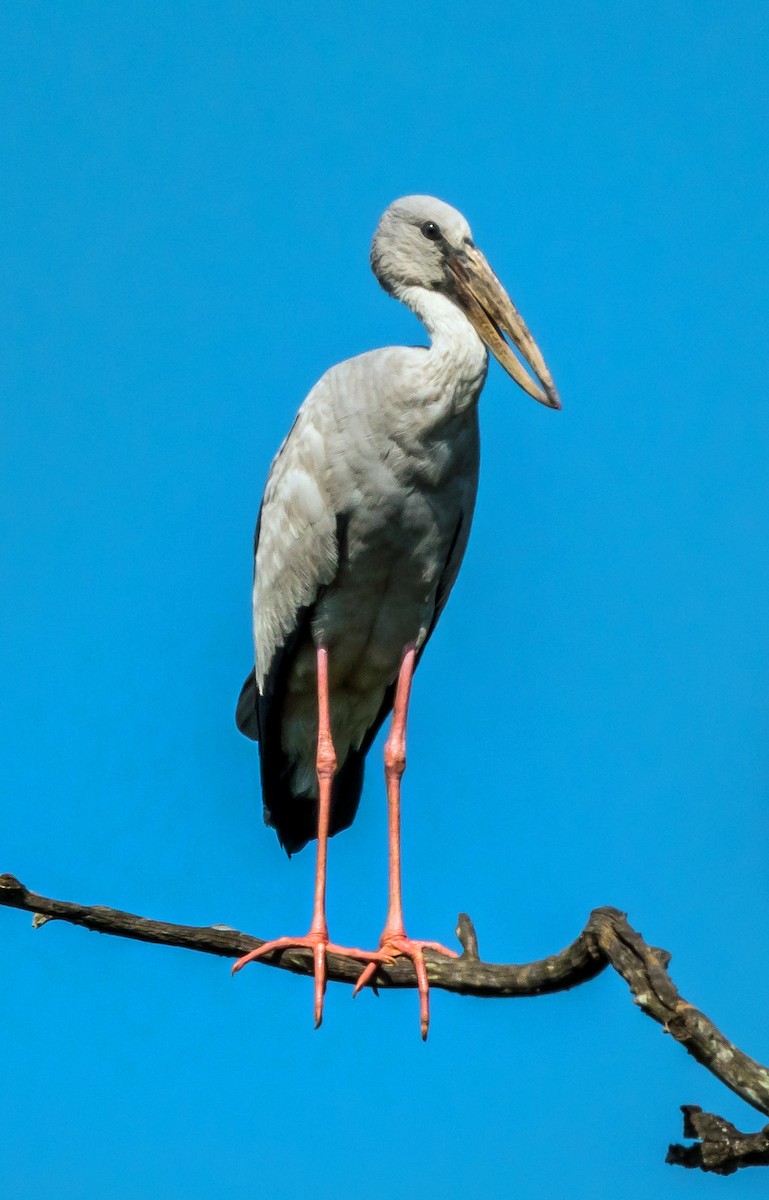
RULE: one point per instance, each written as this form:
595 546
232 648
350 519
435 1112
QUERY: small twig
468 938
607 940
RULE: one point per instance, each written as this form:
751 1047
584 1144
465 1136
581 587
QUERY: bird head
422 242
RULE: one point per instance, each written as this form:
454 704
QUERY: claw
366 974
320 945
398 945
320 982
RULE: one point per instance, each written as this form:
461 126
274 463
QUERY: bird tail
294 815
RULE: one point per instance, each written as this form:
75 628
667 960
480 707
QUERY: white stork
361 533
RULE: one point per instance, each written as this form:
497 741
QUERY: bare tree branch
607 940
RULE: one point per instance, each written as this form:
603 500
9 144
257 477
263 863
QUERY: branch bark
720 1147
607 940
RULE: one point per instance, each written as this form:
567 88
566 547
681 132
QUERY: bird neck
458 357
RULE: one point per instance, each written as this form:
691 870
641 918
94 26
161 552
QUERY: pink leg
317 937
394 940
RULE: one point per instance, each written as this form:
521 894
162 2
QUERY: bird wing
246 711
297 547
296 554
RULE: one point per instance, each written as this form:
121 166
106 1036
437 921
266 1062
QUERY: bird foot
318 942
396 945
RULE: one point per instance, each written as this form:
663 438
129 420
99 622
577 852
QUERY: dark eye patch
431 231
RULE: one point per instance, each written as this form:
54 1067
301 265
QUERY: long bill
494 315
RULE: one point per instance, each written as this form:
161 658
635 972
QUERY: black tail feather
295 817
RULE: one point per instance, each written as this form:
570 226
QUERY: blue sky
188 195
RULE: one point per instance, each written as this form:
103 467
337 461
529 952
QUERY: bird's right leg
316 938
394 940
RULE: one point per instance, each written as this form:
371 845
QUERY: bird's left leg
316 938
394 941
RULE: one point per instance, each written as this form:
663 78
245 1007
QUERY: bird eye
431 231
